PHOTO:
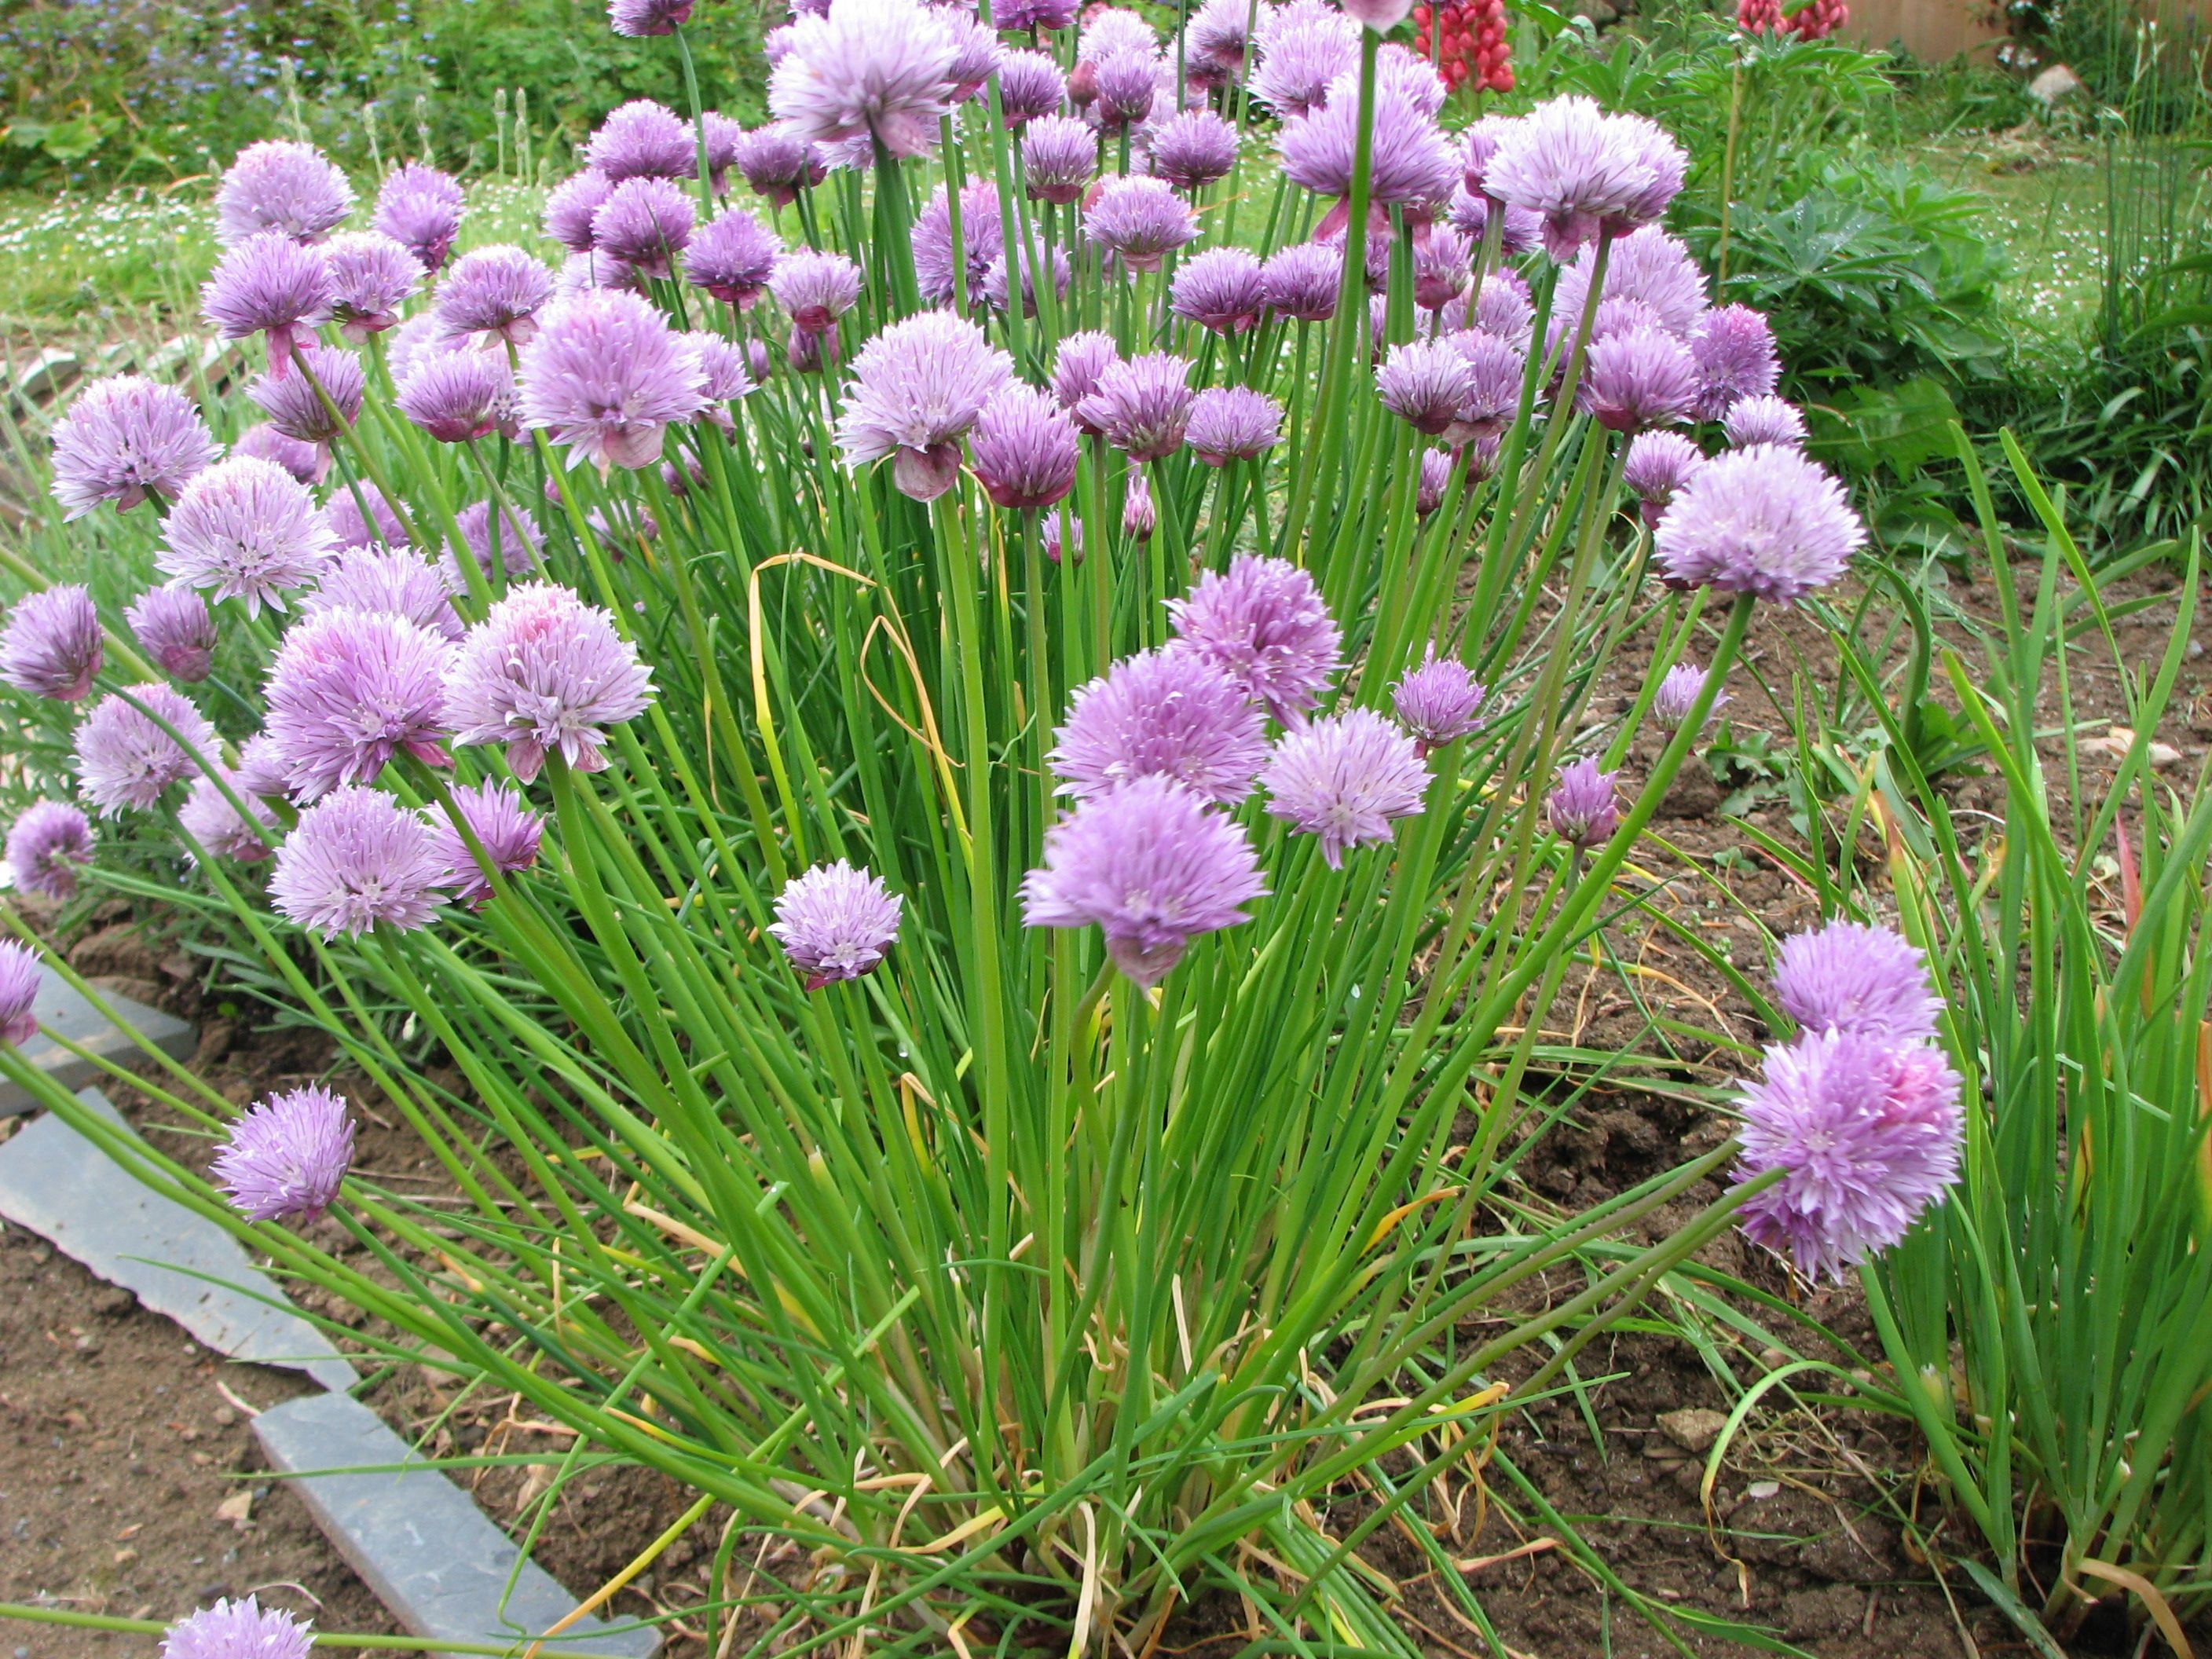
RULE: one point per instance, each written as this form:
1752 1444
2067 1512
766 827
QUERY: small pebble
2194 649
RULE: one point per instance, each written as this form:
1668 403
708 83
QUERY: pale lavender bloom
1141 405
1868 1134
260 768
1026 449
1029 85
418 335
371 276
1304 281
724 139
210 818
395 582
124 439
1112 30
507 830
237 1629
495 290
1865 981
420 209
285 1160
177 630
545 672
1219 33
1677 695
1649 266
1062 531
1479 147
996 291
917 387
644 223
816 289
270 285
777 163
124 757
976 53
1153 866
732 257
1081 359
318 404
282 189
571 206
1142 219
520 541
1426 383
1583 171
1734 350
1059 154
348 691
879 69
1233 424
1263 623
44 847
456 395
1495 369
1123 84
728 376
19 993
580 271
309 463
1346 778
981 236
1658 465
1192 149
1763 420
1502 307
1223 288
1439 701
1583 808
1435 478
1303 48
1443 267
643 140
355 859
342 516
1034 13
1413 161
1763 520
1140 516
836 922
245 529
639 18
1642 378
52 644
1168 713
605 376
1469 212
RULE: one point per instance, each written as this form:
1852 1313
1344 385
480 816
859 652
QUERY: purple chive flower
46 845
1059 153
644 223
1868 1136
260 768
1153 866
545 672
732 257
1426 383
1082 358
605 376
1123 84
639 18
1677 695
1166 713
420 209
1763 420
976 56
1658 465
19 995
1140 516
1734 350
1223 288
996 291
1304 48
1034 14
1141 405
1764 520
124 757
456 395
520 541
1637 379
1029 85
1346 778
1303 280
236 1630
393 582
815 289
281 189
777 163
875 69
1412 159
342 516
836 922
356 858
270 285
1496 368
494 290
1142 219
1219 33
1583 808
210 819
285 1160
1435 478
725 138
297 407
371 277
1439 701
728 376
1583 171
309 463
177 630
1233 424
1062 533
918 386
1263 623
1192 149
981 235
1112 30
507 830
124 439
570 205
245 529
1026 449
643 140
1649 266
52 644
1443 267
349 690
1864 981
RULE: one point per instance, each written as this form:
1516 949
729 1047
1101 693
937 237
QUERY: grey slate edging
67 1012
418 1540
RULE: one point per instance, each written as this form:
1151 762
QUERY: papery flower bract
1168 713
605 376
245 529
1763 520
357 859
1141 405
572 204
420 209
643 140
732 256
1346 778
1426 383
1142 219
1642 378
342 517
777 163
177 630
209 816
273 286
316 405
1192 149
507 830
371 277
284 1161
1264 624
19 993
644 223
1081 359
1233 424
1030 84
519 540
1151 866
917 387
1676 695
1868 1136
456 395
1223 288
393 582
1763 420
1059 154
1026 449
494 290
1304 47
280 188
637 19
45 844
834 922
545 672
349 690
1411 162
125 439
1865 981
52 644
1658 465
124 758
1734 350
1304 281
1584 806
877 70
1439 701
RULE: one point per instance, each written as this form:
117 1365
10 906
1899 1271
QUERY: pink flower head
1263 623
1026 449
1734 350
836 922
1153 866
1584 808
1192 149
420 209
356 858
1658 465
285 1160
1112 30
1649 266
177 630
1641 378
1868 1136
1221 32
981 236
456 395
52 644
260 769
1167 713
236 1630
777 163
1413 161
873 69
645 223
1123 84
1380 16
1034 14
542 672
1304 48
1142 219
1346 778
1233 424
918 386
19 995
1139 517
284 189
519 542
976 54
999 292
1141 405
723 138
1081 359
349 690
1583 171
270 285
371 277
1435 478
245 529
1674 699
1495 369
643 140
46 845
1426 383
1443 267
1059 154
209 816
732 257
728 376
342 516
571 206
125 758
507 830
387 582
124 439
1439 701
496 290
1864 981
1763 520
1030 84
1303 280
639 18
605 376
1223 289
1763 420
318 404
309 463
815 289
